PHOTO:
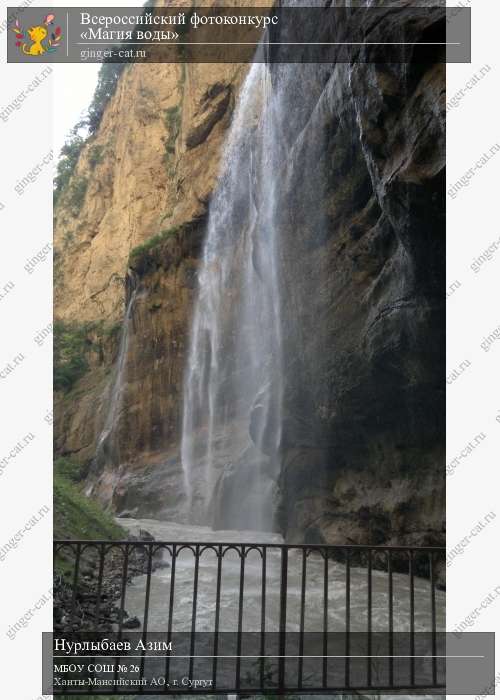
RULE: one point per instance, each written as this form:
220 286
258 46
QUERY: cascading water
107 448
233 382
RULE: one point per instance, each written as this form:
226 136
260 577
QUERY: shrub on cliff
77 192
73 345
70 361
173 124
107 81
141 250
95 156
70 153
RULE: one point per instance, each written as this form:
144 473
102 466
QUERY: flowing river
252 590
160 588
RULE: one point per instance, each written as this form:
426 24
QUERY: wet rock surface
364 426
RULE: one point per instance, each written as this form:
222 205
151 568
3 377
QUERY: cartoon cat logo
39 37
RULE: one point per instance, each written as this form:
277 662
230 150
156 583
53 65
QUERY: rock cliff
147 172
363 274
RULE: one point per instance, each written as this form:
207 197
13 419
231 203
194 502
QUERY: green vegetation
151 243
109 331
67 469
173 124
107 81
96 154
77 192
70 348
72 345
70 153
75 515
173 120
106 85
68 238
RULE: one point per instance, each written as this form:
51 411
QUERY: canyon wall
364 398
158 147
362 279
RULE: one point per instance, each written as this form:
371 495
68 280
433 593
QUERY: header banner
239 35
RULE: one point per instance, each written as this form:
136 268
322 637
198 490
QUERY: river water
230 589
160 588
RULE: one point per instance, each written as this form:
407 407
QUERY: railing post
391 618
123 583
412 619
432 577
263 616
369 613
240 617
217 615
99 587
76 572
171 608
302 616
282 633
348 619
146 605
194 610
325 619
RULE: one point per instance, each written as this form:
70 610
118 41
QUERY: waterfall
107 445
232 411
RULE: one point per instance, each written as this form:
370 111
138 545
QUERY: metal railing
344 603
